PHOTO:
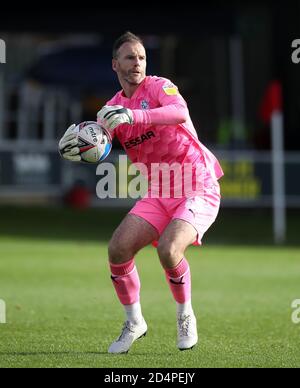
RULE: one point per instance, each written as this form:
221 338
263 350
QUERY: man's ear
114 65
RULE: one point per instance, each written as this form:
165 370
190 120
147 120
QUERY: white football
93 142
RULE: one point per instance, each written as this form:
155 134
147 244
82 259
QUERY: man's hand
110 117
68 145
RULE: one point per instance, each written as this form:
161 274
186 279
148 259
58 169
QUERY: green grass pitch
62 311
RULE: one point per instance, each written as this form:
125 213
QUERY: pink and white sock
126 281
179 279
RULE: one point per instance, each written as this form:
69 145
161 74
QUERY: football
93 142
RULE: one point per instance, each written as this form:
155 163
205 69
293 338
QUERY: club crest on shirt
145 105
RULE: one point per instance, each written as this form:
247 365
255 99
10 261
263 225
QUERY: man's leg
171 250
132 235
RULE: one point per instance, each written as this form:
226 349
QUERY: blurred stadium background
231 63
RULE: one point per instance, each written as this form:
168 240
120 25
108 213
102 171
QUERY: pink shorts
201 212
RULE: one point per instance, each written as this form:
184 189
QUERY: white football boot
187 331
130 333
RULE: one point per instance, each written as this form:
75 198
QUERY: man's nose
137 62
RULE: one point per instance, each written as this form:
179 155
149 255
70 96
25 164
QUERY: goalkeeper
151 108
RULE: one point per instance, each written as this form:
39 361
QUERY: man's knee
119 252
169 253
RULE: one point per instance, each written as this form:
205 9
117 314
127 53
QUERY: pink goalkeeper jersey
163 131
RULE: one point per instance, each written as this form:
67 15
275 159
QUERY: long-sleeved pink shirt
163 131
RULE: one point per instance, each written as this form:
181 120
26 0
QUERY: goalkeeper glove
110 117
68 145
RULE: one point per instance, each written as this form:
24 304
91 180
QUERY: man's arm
173 110
166 115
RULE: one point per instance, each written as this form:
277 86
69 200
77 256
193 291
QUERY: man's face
130 64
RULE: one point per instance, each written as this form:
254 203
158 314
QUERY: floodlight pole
278 167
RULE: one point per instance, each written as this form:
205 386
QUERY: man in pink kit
151 120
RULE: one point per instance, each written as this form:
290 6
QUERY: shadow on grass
28 354
71 353
233 226
59 223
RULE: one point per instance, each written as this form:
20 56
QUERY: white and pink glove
110 117
68 145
